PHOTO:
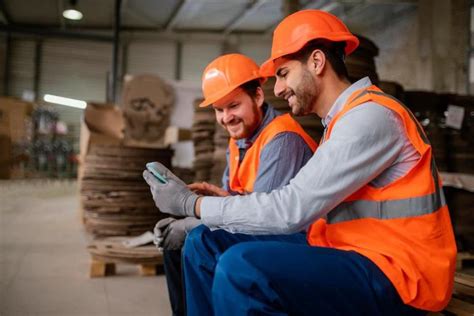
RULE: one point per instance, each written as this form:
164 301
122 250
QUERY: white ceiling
181 16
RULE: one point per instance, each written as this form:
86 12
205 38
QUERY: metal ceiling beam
4 15
55 32
173 19
251 7
115 56
62 22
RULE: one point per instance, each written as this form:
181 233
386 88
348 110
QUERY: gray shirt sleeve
225 175
364 143
280 161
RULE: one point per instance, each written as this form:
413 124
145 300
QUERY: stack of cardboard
115 199
202 133
221 141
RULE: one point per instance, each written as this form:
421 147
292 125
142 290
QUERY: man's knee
236 262
195 237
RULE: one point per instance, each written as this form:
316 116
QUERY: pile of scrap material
147 103
112 249
361 62
310 123
115 199
202 134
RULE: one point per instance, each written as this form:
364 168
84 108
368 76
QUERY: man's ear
259 97
317 61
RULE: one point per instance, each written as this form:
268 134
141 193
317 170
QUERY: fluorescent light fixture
65 101
72 14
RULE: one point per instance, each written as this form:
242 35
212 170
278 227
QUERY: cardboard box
5 156
102 124
13 116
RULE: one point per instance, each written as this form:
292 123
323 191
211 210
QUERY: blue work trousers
236 274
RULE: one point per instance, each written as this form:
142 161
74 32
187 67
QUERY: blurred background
92 90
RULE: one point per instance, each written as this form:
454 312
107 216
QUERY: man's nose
227 116
279 87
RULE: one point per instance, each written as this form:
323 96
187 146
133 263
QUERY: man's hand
175 233
159 230
204 188
173 197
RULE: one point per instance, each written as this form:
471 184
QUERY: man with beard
379 237
266 150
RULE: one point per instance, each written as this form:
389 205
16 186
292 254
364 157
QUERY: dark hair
250 87
334 52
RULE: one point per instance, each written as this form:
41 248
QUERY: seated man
380 240
266 149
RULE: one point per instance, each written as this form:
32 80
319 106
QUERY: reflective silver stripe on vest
391 209
388 209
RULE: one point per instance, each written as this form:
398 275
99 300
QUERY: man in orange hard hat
379 236
266 150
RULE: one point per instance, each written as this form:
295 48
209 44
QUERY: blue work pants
236 274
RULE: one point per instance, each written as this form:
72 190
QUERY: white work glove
172 197
170 233
159 230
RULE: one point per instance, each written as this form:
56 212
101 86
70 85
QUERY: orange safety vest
403 227
242 175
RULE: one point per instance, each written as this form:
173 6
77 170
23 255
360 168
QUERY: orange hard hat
226 73
299 28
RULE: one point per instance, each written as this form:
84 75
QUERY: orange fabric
226 73
299 28
416 253
242 175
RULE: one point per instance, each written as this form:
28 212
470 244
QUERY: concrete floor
44 264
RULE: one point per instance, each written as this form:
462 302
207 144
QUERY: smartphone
155 172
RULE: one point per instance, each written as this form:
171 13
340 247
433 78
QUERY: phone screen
157 175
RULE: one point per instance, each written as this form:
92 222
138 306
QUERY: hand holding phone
155 172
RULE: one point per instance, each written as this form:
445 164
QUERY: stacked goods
221 141
311 123
460 139
115 199
202 133
361 62
452 145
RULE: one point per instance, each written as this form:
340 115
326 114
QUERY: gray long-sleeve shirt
368 145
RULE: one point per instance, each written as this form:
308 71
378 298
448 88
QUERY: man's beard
306 94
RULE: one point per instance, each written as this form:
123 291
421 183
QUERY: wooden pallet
100 269
106 253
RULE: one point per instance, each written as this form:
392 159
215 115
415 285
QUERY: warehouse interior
86 102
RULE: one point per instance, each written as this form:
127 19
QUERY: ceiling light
72 14
65 101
